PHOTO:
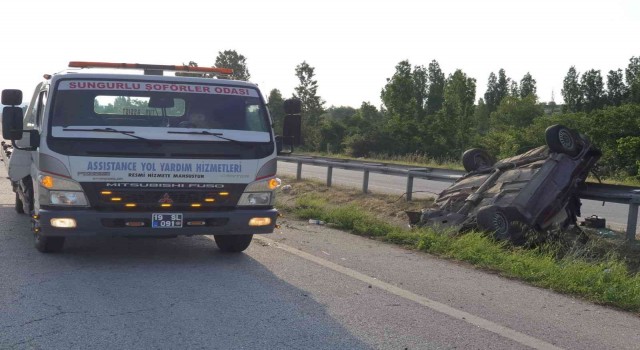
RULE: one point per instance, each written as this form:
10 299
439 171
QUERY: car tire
561 139
233 243
48 244
19 205
494 219
476 158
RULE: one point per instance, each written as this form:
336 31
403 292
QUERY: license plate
166 220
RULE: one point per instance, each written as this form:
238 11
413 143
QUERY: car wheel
493 219
233 243
48 244
561 139
18 205
476 158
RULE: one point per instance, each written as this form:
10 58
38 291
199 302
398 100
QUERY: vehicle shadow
152 293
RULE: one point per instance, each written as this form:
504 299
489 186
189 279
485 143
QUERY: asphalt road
304 287
615 214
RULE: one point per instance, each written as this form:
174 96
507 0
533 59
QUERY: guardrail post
329 175
409 186
299 171
365 182
632 219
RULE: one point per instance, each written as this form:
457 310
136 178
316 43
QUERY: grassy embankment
590 271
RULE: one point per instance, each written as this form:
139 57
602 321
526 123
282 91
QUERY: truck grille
105 198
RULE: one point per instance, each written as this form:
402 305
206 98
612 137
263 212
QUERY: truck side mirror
11 97
12 123
292 106
283 146
12 115
292 127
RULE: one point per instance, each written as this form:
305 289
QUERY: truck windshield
113 104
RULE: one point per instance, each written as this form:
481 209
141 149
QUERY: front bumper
95 223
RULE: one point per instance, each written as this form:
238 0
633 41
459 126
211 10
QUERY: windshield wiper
216 134
123 132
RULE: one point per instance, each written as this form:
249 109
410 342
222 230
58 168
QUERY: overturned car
533 190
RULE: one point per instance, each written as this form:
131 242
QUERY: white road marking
432 304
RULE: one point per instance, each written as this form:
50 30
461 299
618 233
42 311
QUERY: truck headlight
256 198
55 190
67 198
259 192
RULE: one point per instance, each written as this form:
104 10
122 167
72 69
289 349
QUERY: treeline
429 112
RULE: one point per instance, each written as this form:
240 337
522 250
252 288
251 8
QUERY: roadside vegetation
601 270
430 117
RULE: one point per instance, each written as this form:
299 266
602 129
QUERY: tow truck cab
118 154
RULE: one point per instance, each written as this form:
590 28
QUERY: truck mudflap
94 223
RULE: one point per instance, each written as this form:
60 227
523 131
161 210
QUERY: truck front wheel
48 244
233 243
19 206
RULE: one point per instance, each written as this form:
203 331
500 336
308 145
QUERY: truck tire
233 243
48 244
495 220
18 205
476 158
561 139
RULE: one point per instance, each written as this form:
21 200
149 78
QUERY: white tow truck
121 149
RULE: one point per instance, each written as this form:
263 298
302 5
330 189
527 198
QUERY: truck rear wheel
233 243
48 244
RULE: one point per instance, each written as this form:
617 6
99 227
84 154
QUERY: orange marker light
274 183
106 192
224 193
165 205
46 181
116 199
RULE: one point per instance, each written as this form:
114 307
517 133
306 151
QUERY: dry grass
390 208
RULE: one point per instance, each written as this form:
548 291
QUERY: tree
514 90
276 109
481 116
527 86
404 97
572 92
632 75
491 96
435 94
456 117
237 62
592 89
312 104
616 89
503 85
515 112
307 91
497 89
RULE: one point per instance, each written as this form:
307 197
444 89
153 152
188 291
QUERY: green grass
605 280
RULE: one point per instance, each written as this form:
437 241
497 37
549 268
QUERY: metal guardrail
594 191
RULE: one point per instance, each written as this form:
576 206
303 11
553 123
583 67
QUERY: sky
353 45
